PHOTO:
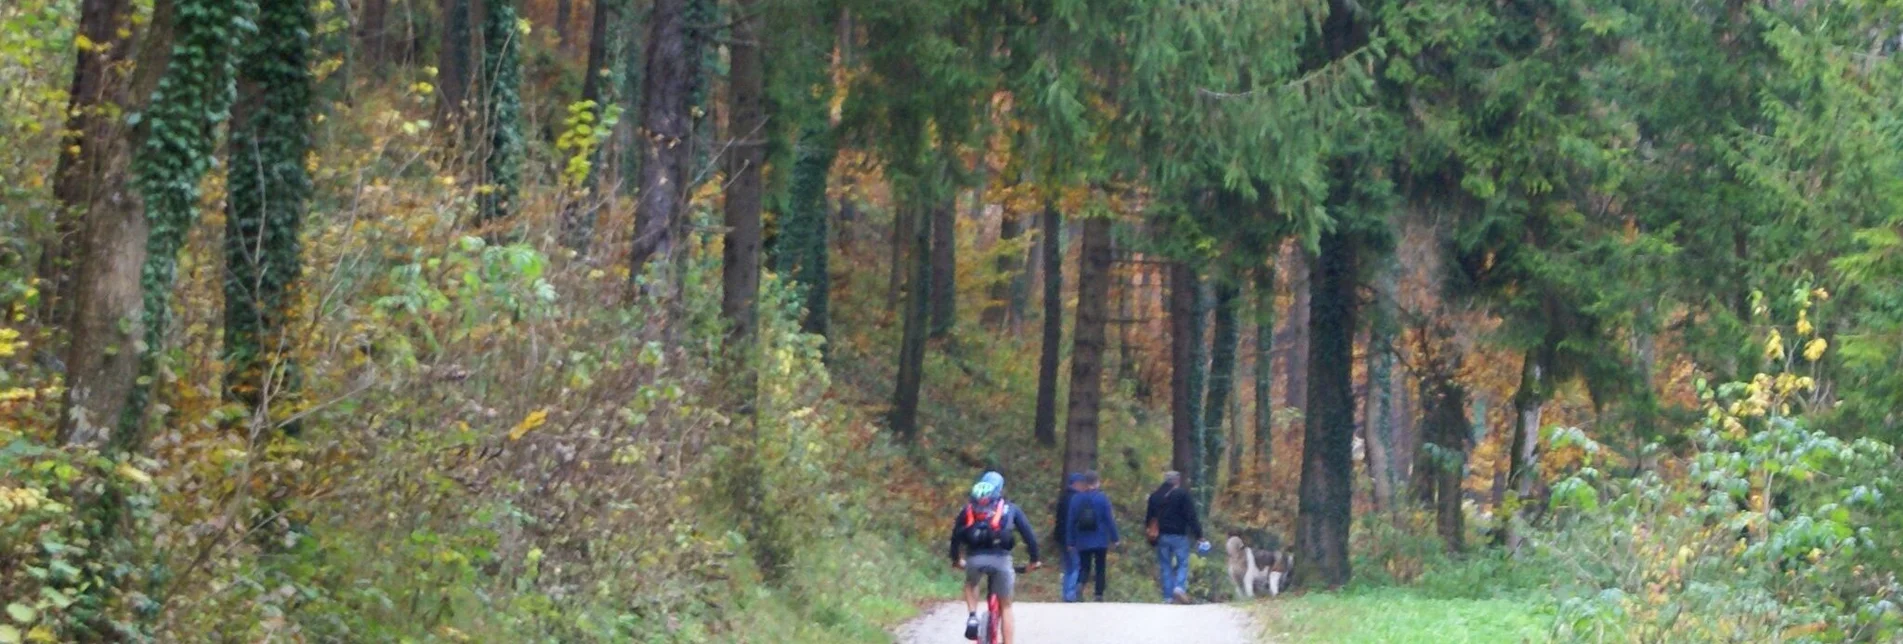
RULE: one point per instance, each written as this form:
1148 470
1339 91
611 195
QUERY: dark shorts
997 566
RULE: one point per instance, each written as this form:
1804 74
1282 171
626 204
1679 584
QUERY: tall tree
1295 390
1226 335
1327 487
192 99
269 190
1264 364
1377 414
944 268
106 323
1185 394
1002 310
578 218
665 135
90 139
805 255
455 65
1050 355
502 111
746 155
1087 346
905 400
373 32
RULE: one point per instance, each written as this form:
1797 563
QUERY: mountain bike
990 626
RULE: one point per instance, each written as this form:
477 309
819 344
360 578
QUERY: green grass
1393 615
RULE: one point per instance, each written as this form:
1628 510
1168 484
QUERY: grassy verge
1395 615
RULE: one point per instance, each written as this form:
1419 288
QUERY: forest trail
1095 624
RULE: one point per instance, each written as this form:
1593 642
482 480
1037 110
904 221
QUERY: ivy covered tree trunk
269 190
1327 487
805 255
1295 391
502 105
911 375
1445 461
1264 363
944 268
1050 356
193 98
455 68
746 155
1528 404
1377 414
1227 335
1185 389
1087 347
91 138
107 319
665 136
578 215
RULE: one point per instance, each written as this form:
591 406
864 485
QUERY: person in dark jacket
1060 512
1090 530
984 528
1175 515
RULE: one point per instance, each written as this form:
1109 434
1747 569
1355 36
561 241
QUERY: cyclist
983 528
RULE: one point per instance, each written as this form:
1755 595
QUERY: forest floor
1096 624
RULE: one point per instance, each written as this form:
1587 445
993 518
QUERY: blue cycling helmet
989 486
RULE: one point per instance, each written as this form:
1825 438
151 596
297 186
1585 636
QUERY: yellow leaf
83 44
1804 327
1774 346
528 424
1815 349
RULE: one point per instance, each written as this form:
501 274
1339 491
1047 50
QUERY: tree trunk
1327 461
746 154
564 17
373 32
1377 415
87 150
269 191
1050 353
1222 371
578 215
1528 403
1185 396
1264 373
1199 388
455 70
807 256
1087 347
106 322
1001 311
1295 393
944 267
665 137
912 343
902 234
502 111
1447 427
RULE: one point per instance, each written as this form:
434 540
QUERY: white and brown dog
1245 575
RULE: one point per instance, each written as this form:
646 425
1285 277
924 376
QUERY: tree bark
808 256
1446 463
269 189
666 137
92 138
564 18
502 112
1264 373
106 323
1327 488
1377 415
455 70
1185 334
902 234
1050 353
1087 347
1226 334
944 268
911 375
746 154
578 215
1528 403
1295 391
373 32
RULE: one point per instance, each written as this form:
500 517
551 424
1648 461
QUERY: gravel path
1095 624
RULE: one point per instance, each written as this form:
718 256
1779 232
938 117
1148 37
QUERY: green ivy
502 71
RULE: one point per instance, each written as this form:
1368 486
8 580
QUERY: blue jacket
1106 532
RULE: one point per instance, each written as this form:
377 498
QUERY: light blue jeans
1172 564
1070 574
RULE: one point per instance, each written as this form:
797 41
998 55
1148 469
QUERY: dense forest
691 320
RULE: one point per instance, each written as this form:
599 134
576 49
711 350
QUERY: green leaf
10 635
22 613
